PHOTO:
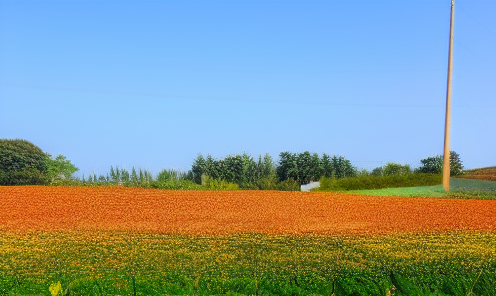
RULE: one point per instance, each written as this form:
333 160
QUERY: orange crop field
27 208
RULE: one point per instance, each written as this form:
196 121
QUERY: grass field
128 241
460 188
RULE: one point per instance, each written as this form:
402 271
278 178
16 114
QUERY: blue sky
151 84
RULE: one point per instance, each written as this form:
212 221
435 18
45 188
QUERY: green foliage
431 165
209 183
134 176
305 167
163 176
392 168
456 166
232 169
378 171
60 168
434 165
175 185
378 182
288 185
343 168
457 263
197 168
22 163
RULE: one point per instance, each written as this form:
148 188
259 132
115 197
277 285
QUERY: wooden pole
446 158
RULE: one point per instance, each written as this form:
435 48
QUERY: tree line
23 163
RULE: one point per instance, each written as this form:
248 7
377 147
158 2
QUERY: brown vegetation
488 174
31 208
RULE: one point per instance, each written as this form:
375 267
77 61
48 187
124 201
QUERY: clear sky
151 84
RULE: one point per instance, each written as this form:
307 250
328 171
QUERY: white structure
309 186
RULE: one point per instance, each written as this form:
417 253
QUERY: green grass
459 188
103 263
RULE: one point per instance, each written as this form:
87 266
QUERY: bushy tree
232 169
267 166
456 165
22 163
250 170
327 169
60 168
113 174
378 171
198 168
305 167
316 170
392 168
134 175
343 168
434 165
164 176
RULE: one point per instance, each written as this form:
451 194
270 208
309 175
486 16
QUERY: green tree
232 169
250 170
431 165
288 166
134 175
304 168
392 168
124 175
113 174
22 163
267 165
343 167
434 165
456 165
163 176
198 168
60 168
316 170
378 171
326 166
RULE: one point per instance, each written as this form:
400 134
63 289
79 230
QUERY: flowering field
227 212
128 241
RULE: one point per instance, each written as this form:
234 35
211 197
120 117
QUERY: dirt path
30 208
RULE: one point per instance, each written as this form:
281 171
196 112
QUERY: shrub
392 168
209 183
22 163
268 183
288 185
174 185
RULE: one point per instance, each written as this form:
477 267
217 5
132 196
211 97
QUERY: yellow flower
55 289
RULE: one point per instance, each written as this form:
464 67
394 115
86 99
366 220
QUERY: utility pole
446 158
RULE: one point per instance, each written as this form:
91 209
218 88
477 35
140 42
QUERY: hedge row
379 182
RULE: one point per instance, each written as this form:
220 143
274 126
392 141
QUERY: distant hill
488 174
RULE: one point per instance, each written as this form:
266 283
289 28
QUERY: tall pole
446 158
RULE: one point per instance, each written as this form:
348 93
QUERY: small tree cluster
434 165
305 167
238 169
23 163
392 169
